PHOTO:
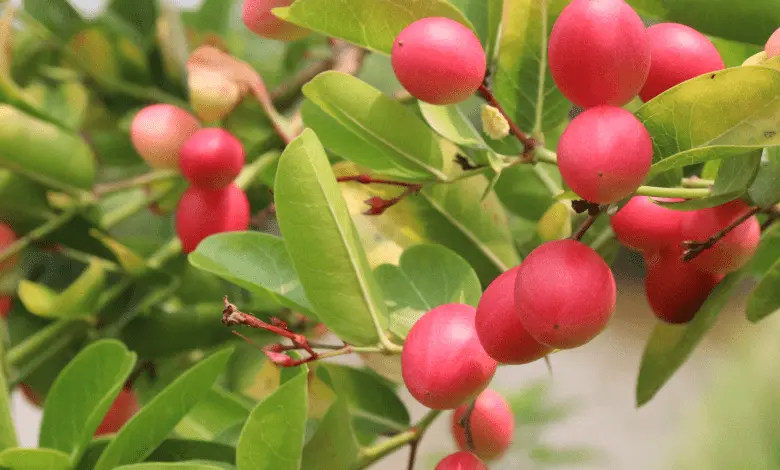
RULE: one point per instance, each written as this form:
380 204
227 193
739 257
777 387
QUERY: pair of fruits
210 159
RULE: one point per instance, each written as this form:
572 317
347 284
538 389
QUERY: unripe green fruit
461 461
438 60
492 425
158 132
258 18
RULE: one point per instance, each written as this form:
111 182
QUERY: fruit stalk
529 143
369 455
695 248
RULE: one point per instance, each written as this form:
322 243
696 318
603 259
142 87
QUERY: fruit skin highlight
564 294
679 53
204 212
599 53
123 408
212 158
438 60
644 225
773 45
605 154
492 425
461 461
443 363
257 16
500 330
158 132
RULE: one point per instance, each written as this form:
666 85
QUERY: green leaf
169 466
688 124
82 394
23 202
212 16
768 251
702 203
255 261
670 345
43 152
427 276
764 300
79 300
765 190
334 446
218 411
66 102
735 174
370 24
529 190
752 22
324 244
148 428
141 14
272 438
34 459
362 124
7 432
486 18
170 450
56 15
452 124
523 83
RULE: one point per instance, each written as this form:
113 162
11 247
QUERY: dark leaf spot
770 134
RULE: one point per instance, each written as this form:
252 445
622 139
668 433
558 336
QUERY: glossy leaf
529 190
141 14
170 450
33 459
79 299
82 394
272 438
170 466
23 202
450 122
7 432
212 16
486 18
765 190
702 203
426 277
57 15
362 124
218 411
324 245
153 423
255 261
334 446
764 300
688 124
67 102
670 345
523 83
370 24
736 174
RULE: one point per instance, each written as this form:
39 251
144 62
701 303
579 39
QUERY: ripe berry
6 304
492 425
599 52
500 330
679 53
732 251
258 18
461 461
644 225
123 408
443 363
605 154
204 212
211 158
438 60
7 238
564 294
773 45
676 289
158 132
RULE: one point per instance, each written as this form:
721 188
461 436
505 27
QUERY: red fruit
158 132
644 225
438 60
679 53
605 154
492 425
443 363
7 238
732 251
211 158
675 289
599 52
6 304
500 330
258 18
564 294
204 212
123 408
773 45
461 461
30 395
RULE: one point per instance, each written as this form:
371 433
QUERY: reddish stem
694 248
232 316
378 205
529 143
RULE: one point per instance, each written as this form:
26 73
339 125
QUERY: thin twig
413 446
529 143
231 316
695 248
593 213
134 182
369 455
378 205
465 422
368 179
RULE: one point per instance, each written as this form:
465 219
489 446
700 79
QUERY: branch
378 205
134 182
369 455
40 232
465 422
694 248
528 142
680 193
593 213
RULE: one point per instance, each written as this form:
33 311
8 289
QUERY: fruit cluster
210 159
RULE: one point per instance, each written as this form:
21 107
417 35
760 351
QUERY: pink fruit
443 364
676 289
564 294
644 225
773 45
461 461
438 60
258 18
7 238
492 425
211 158
679 53
6 304
499 327
735 249
158 132
204 212
605 154
123 408
599 52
